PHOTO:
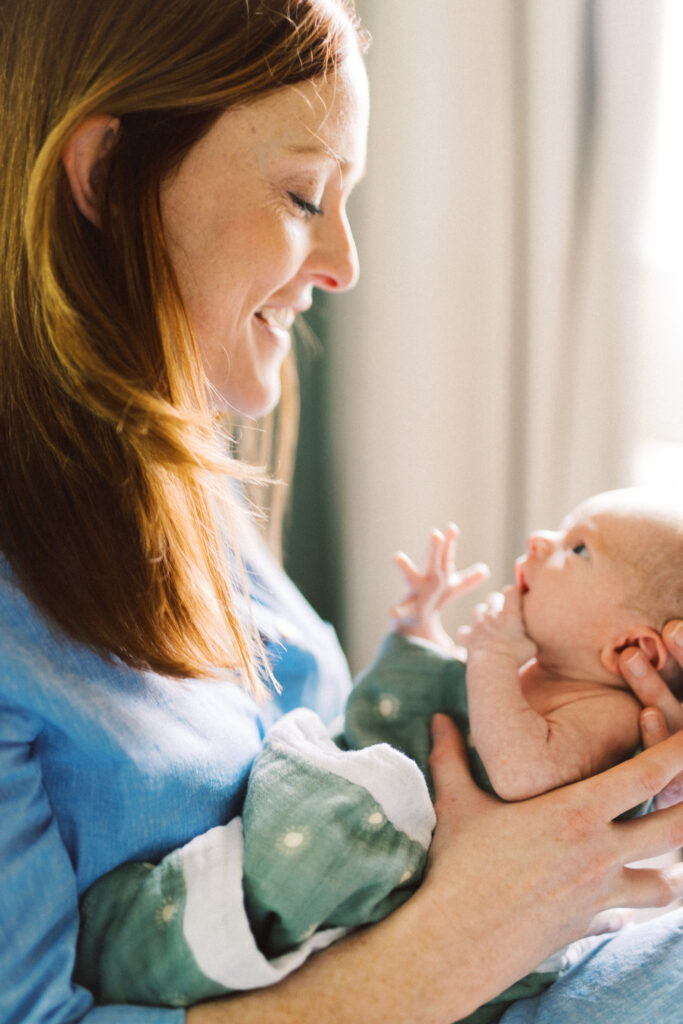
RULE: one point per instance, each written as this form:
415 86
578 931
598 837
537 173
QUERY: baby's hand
497 628
418 613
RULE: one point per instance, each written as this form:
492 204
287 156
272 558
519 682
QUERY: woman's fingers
650 835
602 797
448 757
673 638
635 781
653 730
653 887
663 713
649 687
671 794
565 858
653 727
449 767
610 921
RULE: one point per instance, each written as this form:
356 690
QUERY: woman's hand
662 712
507 885
565 855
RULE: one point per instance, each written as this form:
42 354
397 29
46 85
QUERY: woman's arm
38 897
507 885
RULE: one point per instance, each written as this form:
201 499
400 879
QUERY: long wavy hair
116 509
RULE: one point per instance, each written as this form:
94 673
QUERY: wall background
482 369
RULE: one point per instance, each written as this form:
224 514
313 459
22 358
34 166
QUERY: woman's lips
277 317
278 324
521 578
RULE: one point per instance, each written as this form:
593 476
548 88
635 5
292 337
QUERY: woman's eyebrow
321 149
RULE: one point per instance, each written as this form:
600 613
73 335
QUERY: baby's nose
540 545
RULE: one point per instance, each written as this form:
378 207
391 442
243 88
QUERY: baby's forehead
628 524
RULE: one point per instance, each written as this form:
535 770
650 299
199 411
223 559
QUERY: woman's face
255 218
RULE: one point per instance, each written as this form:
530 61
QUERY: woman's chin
252 403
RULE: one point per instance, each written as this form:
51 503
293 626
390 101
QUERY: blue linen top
100 764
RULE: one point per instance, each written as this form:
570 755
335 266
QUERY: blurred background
514 343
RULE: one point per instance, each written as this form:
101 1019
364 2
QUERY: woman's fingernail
637 665
650 722
677 635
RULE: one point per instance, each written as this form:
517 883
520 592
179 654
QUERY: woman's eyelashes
305 205
580 550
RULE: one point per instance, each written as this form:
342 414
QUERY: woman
174 187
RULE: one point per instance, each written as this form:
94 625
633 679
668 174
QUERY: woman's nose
335 263
541 544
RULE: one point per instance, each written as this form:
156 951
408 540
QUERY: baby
335 834
547 705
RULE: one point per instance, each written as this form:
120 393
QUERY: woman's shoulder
42 670
22 628
32 650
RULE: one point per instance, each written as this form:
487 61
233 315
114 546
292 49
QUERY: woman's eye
580 549
305 205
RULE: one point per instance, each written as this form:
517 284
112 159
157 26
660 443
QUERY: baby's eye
580 550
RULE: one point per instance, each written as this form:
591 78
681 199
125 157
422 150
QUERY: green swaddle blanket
334 834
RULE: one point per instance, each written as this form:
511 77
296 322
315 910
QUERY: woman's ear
647 639
85 159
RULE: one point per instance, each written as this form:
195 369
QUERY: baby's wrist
500 657
435 634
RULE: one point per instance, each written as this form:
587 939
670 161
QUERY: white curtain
482 370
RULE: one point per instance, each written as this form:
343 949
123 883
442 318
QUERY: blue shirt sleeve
38 900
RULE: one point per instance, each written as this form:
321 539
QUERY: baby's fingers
463 634
463 582
436 552
408 569
451 535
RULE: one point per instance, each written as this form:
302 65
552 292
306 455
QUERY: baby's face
575 581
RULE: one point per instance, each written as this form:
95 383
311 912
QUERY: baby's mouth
521 578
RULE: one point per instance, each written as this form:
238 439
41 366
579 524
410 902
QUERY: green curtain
311 543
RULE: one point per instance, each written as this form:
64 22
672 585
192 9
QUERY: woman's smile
255 218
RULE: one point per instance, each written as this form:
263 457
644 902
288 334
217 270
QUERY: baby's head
610 577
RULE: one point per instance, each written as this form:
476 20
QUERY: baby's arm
525 752
418 613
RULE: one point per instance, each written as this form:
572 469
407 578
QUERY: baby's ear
647 639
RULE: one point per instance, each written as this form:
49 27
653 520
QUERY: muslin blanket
334 835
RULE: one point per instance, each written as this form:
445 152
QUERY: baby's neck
545 673
547 691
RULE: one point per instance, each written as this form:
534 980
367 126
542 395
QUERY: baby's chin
576 666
